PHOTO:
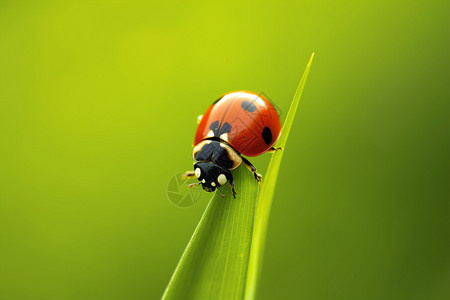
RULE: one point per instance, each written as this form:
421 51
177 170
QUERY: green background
98 103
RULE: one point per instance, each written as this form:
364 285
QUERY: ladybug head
211 176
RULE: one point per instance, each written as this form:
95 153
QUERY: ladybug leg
231 181
273 149
252 168
232 189
258 177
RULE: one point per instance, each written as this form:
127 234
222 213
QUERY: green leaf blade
267 191
214 264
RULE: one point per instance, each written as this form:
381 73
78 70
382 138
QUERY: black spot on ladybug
218 131
267 135
248 106
225 128
214 126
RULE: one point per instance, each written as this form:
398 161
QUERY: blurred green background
98 102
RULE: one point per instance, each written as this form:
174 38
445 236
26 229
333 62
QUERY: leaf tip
311 59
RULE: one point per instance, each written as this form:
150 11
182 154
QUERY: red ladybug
238 123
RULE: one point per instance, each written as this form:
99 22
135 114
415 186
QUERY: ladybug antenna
223 195
192 184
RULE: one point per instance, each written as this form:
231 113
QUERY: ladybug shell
247 121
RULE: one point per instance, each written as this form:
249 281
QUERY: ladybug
236 124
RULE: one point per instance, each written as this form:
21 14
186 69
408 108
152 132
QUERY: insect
237 124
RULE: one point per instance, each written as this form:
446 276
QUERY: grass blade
214 264
223 258
267 191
